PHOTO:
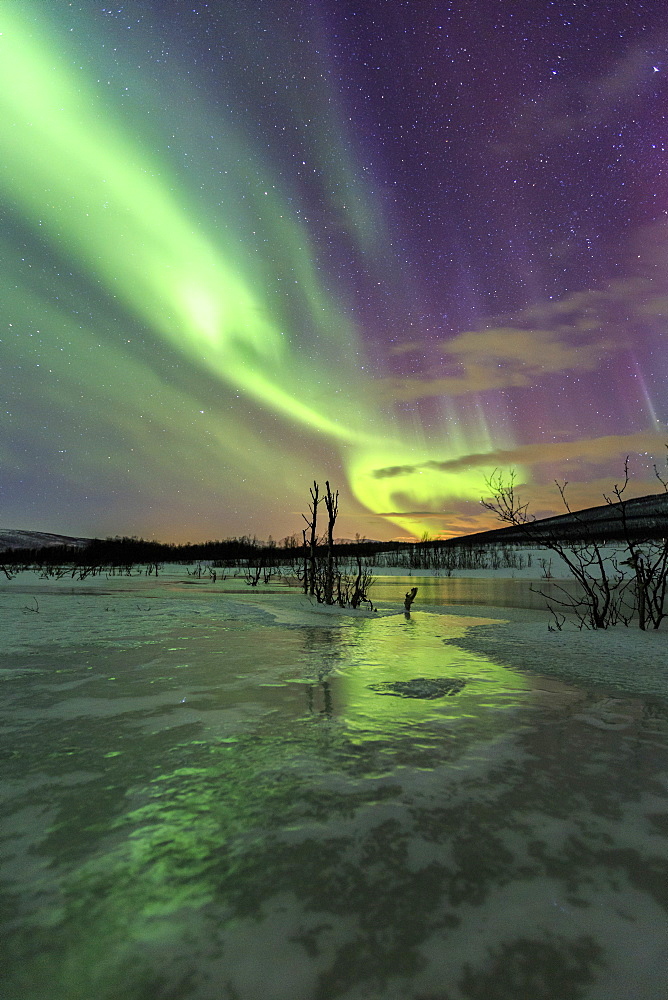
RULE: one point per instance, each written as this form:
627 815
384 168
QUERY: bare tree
600 598
323 578
648 560
313 539
353 590
332 505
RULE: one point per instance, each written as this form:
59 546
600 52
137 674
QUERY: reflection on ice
230 810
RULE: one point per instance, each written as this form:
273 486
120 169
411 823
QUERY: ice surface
203 797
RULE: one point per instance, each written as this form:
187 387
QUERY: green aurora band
106 204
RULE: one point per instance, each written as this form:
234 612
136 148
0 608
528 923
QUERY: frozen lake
211 796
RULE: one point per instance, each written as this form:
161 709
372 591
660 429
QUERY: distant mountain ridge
647 517
15 538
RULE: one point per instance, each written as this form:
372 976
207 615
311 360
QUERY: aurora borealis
395 245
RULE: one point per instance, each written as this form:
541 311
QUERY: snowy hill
646 517
12 538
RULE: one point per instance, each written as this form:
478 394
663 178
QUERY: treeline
446 557
124 551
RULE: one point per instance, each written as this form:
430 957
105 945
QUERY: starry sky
393 244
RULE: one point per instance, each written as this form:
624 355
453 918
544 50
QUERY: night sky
250 243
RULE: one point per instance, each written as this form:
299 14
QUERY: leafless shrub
602 584
648 560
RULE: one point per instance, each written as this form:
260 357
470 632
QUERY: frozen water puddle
237 811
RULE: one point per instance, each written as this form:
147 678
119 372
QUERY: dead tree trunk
306 560
332 505
408 600
312 524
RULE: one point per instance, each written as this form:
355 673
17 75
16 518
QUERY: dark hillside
646 518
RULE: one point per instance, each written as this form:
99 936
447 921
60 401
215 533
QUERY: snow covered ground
46 611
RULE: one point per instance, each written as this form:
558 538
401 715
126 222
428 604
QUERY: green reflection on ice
311 806
400 648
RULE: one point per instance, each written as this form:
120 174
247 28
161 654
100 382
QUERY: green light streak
94 190
109 204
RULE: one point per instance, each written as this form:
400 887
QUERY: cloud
574 334
570 108
528 352
592 450
504 357
408 347
600 308
409 513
